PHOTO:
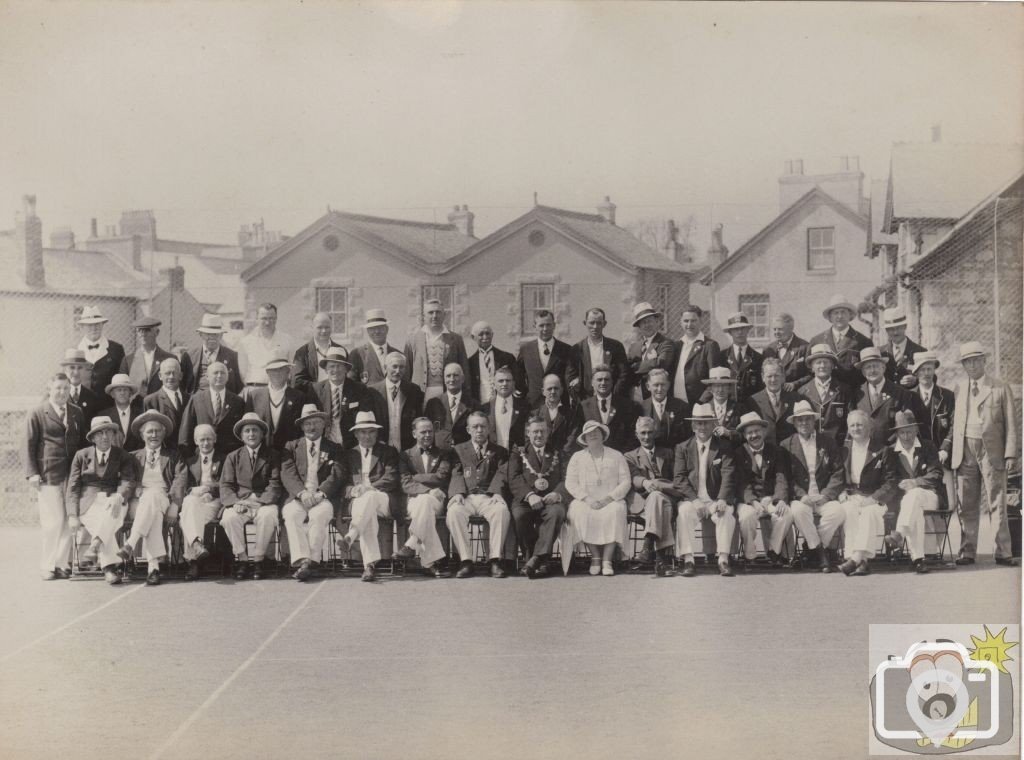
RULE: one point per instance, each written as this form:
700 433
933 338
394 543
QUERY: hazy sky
216 114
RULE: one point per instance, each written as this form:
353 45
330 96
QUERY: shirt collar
543 343
901 345
103 344
426 330
365 453
170 393
899 448
56 408
254 452
699 336
841 333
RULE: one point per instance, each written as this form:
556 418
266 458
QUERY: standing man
127 406
507 413
278 404
561 419
669 414
616 413
79 394
651 350
211 330
340 397
774 404
261 346
487 360
54 431
544 356
309 355
790 349
143 365
430 349
844 342
939 405
900 351
368 359
653 495
593 350
397 402
881 399
984 449
217 407
169 400
828 397
105 355
695 355
743 361
449 413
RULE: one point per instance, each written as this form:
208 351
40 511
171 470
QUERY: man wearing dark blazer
651 350
762 475
843 341
694 356
617 413
669 414
201 504
341 397
899 351
217 407
881 399
593 350
654 494
79 394
105 355
791 350
560 416
485 361
277 403
451 411
724 406
397 402
124 411
143 364
774 404
368 358
940 409
54 432
308 356
169 399
744 362
210 331
545 355
829 397
506 412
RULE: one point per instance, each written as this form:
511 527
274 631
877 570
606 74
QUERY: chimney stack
29 234
175 278
141 223
717 252
93 228
462 218
607 210
63 239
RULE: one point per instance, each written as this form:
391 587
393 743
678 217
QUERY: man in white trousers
762 473
201 504
870 483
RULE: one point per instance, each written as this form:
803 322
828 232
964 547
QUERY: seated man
536 478
704 474
763 486
374 488
313 474
99 485
450 410
870 482
669 414
158 494
201 504
919 476
816 477
476 489
426 471
250 489
650 469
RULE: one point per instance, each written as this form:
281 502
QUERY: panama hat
278 362
925 357
894 317
802 409
211 324
100 423
751 418
642 311
75 357
702 412
719 376
904 420
310 412
375 318
820 351
588 427
152 415
735 321
870 354
335 354
366 421
143 323
838 302
120 380
91 315
250 418
970 349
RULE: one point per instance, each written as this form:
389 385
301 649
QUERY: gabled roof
814 195
424 245
943 181
614 244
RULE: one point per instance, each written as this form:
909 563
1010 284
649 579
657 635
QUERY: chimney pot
92 228
462 218
717 252
29 233
607 210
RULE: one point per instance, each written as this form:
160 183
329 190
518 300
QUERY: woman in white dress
598 480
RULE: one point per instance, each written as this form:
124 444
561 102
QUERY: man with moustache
485 362
397 402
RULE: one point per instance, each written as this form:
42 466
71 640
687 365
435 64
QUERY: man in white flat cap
899 351
368 360
104 354
984 450
843 341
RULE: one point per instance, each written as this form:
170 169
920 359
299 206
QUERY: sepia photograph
455 380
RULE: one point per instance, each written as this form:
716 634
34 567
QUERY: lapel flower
671 415
717 461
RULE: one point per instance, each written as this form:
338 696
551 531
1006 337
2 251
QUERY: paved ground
415 668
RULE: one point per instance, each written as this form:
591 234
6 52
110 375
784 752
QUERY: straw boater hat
366 421
925 357
894 317
120 380
336 354
821 351
642 311
904 420
702 413
100 423
144 322
838 302
310 412
278 362
375 318
250 418
802 409
211 325
152 415
751 418
735 321
75 357
91 315
591 425
870 354
970 349
719 376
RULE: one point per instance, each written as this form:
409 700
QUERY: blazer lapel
373 459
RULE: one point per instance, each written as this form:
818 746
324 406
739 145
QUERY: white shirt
365 454
702 464
276 404
784 347
503 420
486 375
721 410
875 392
907 455
425 458
810 449
822 388
552 411
60 411
147 357
596 352
124 416
171 395
838 336
312 463
756 456
679 384
206 469
926 393
858 456
541 345
659 408
739 352
255 351
898 349
92 355
605 413
974 427
216 396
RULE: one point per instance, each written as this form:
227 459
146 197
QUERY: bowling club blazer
239 478
937 425
894 398
562 426
134 366
770 479
661 353
530 372
926 471
449 432
848 351
643 467
831 408
829 474
193 467
330 469
897 370
878 475
411 396
104 369
779 427
227 356
383 474
550 469
287 427
580 368
86 480
673 428
129 441
622 414
483 476
307 366
366 365
90 403
500 359
174 478
721 475
794 363
199 411
161 402
417 479
355 398
747 373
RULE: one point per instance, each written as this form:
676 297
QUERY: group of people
557 443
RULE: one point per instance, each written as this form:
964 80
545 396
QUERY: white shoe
606 568
595 567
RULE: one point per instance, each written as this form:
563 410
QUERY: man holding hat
939 405
694 356
654 494
593 350
762 471
744 362
277 404
127 407
340 397
159 489
169 399
816 478
431 348
881 399
984 450
250 489
373 490
843 341
309 355
705 475
899 351
143 364
486 361
368 359
727 412
790 349
651 349
201 504
828 397
217 407
544 355
211 330
105 355
79 394
313 474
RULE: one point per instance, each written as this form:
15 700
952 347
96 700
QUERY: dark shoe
437 570
61 573
848 567
894 541
920 567
775 560
241 570
303 572
404 553
646 556
542 569
689 570
964 561
1007 561
201 551
153 579
862 568
192 574
368 574
465 570
126 552
259 570
660 568
529 570
111 576
50 575
497 571
724 570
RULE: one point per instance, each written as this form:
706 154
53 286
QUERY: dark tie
487 363
177 399
604 406
93 346
547 351
479 454
423 451
151 458
394 393
312 451
216 405
336 404
504 406
703 448
206 459
974 387
252 459
74 395
103 460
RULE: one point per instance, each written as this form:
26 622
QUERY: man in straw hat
654 494
881 399
486 361
727 412
694 356
743 361
939 404
127 407
368 359
278 404
843 341
143 364
211 331
201 504
340 397
651 349
250 491
541 356
704 473
762 484
816 479
104 354
74 364
159 489
313 474
217 407
899 351
790 349
432 347
100 483
984 450
309 355
919 477
373 490
829 397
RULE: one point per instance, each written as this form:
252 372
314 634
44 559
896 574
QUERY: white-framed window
821 248
334 303
757 307
661 294
443 293
535 296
